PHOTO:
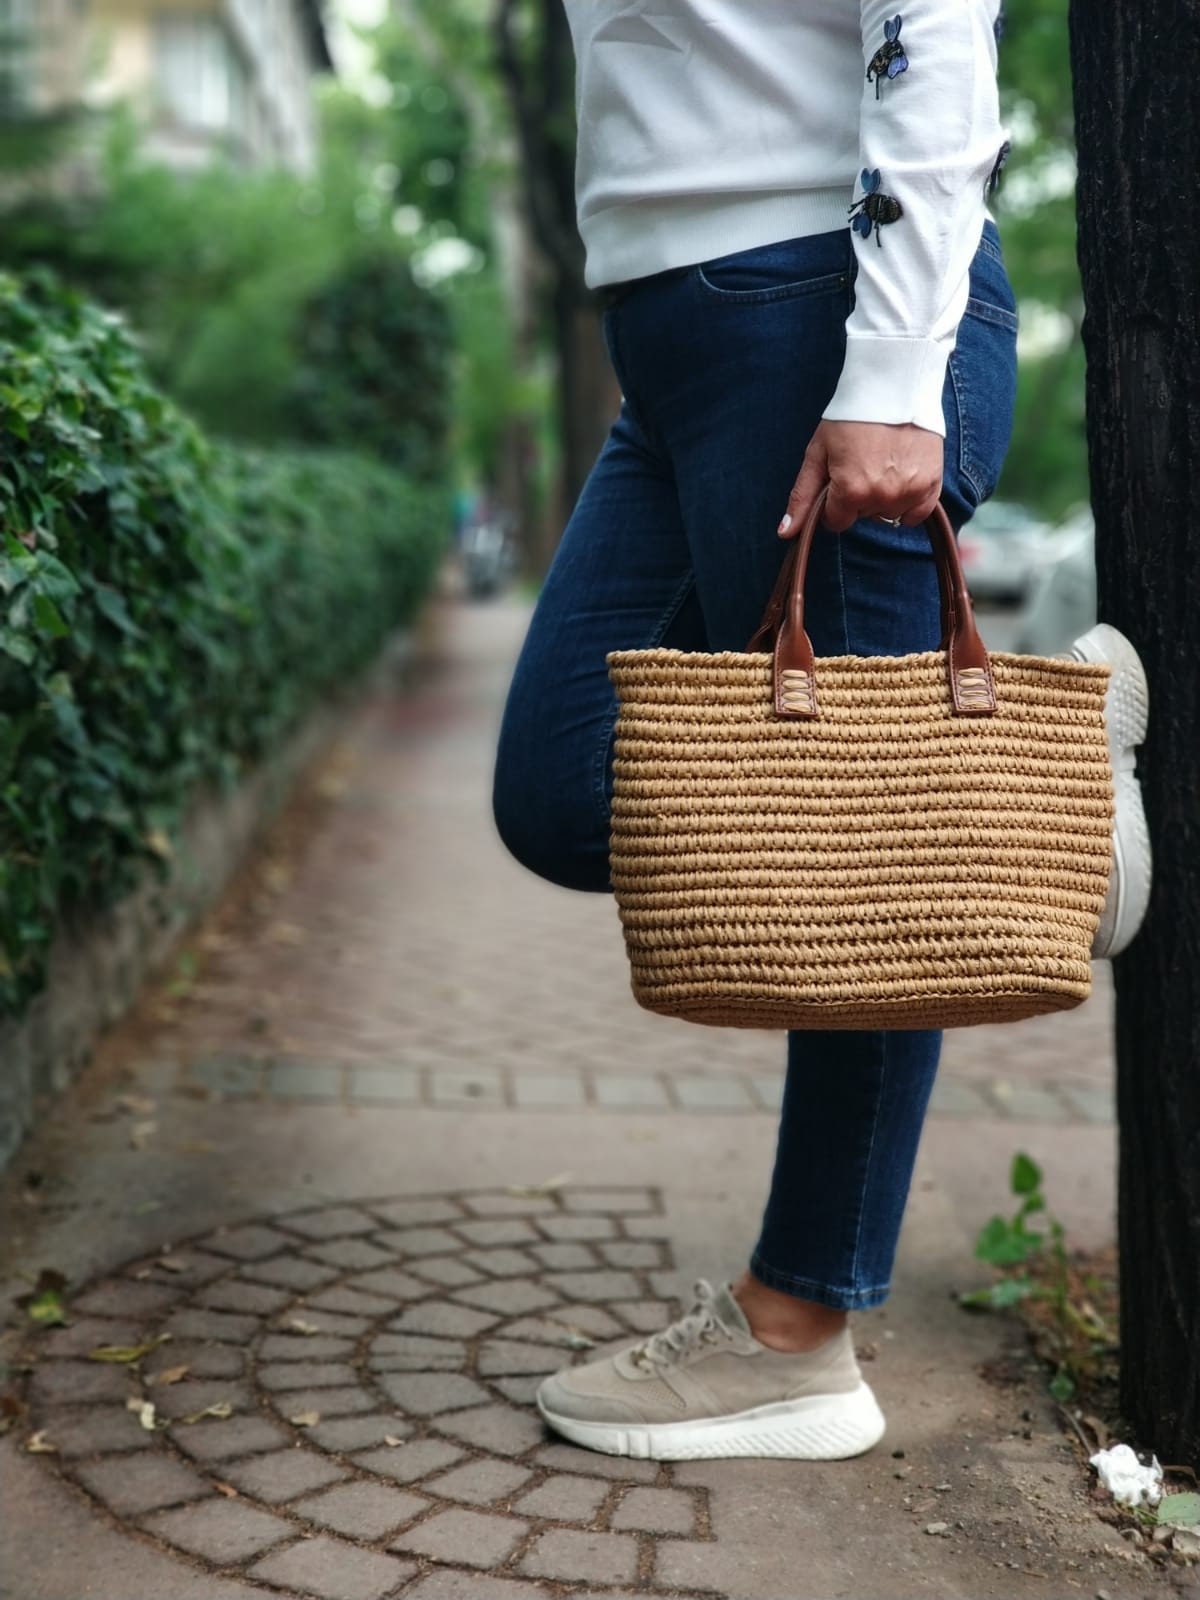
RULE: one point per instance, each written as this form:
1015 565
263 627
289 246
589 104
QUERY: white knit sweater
710 126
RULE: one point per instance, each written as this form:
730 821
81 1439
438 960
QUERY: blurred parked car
489 556
1002 549
1062 599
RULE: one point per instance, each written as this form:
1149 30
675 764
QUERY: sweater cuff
891 380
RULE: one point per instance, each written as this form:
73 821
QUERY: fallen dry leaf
37 1444
298 1325
196 1147
391 1439
160 1380
305 1419
126 1353
220 1410
158 842
137 1105
539 1191
146 1414
141 1134
226 1489
44 1303
171 1264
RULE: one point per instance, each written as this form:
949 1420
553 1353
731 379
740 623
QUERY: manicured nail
785 524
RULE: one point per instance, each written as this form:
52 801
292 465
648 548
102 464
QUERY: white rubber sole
1127 715
823 1427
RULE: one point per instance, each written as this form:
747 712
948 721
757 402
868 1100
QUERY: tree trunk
1136 65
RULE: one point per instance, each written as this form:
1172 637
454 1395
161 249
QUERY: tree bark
1136 64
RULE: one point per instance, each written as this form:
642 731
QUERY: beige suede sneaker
706 1387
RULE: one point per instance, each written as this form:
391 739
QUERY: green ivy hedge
168 607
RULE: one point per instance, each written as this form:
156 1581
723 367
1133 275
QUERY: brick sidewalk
315 1162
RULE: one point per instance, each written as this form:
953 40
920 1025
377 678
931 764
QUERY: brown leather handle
972 689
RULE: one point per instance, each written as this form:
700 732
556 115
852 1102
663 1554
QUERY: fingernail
785 524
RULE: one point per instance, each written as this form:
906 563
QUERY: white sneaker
1126 711
705 1387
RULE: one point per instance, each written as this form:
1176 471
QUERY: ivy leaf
1179 1510
1026 1174
49 618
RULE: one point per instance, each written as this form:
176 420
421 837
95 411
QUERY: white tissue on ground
1126 1479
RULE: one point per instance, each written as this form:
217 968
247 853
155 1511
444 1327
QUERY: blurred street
392 1141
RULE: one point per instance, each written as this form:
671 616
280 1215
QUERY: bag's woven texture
885 865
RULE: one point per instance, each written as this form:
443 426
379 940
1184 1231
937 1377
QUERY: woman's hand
873 469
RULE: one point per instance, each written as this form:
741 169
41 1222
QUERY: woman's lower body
725 369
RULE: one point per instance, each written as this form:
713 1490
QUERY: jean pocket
983 380
815 266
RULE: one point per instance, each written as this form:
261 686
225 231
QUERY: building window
18 51
201 79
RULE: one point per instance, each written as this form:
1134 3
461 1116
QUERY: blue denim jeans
725 369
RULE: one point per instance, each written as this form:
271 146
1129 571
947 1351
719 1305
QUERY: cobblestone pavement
332 1401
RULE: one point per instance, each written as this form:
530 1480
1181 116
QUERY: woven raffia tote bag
919 841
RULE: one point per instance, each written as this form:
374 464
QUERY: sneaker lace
700 1326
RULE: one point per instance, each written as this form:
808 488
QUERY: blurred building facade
206 77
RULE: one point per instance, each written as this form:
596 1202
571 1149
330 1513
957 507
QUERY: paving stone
133 1484
953 1098
228 1077
534 1090
415 1352
238 1436
122 1297
86 1335
188 1269
444 1320
503 1357
390 1283
93 1430
447 1271
480 1088
469 1538
221 1531
254 1242
298 1346
327 1321
423 1394
593 1286
408 1462
291 1272
616 1200
282 1475
502 1230
578 1227
334 1223
496 1428
187 1398
350 1255
564 1257
64 1382
1090 1104
306 1375
590 1319
356 1433
656 1511
521 1391
398 1086
768 1090
633 1253
480 1483
333 1570
713 1094
413 1243
448 1585
190 1322
569 1555
506 1262
361 1510
643 1316
352 1301
326 1402
414 1213
1027 1102
512 1298
621 1091
565 1499
233 1294
304 1080
569 1458
501 1203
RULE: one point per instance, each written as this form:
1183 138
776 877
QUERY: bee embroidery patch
889 61
873 209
